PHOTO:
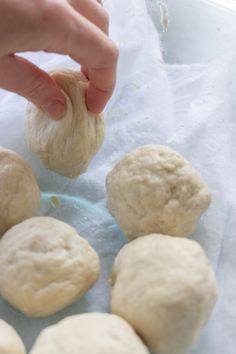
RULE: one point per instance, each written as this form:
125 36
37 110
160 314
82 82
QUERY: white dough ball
165 288
154 189
66 146
45 266
10 342
90 333
19 191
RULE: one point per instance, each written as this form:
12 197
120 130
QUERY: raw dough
165 288
10 342
66 146
45 266
153 189
19 191
91 333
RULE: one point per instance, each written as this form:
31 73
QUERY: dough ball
19 191
66 146
10 342
45 266
90 333
153 189
165 288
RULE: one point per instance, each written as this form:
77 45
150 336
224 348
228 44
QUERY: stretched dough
66 146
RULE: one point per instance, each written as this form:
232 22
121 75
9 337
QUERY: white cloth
189 108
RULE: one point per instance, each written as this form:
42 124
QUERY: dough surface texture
66 146
153 189
10 342
19 191
165 288
91 333
45 266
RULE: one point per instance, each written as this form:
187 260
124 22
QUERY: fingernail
55 109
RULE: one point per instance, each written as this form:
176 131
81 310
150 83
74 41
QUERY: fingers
92 11
88 45
22 77
101 59
100 90
60 27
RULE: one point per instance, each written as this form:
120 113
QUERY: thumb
24 78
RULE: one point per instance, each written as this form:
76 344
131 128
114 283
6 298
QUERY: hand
78 28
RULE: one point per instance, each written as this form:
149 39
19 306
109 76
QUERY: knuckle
109 55
52 16
113 53
52 10
104 18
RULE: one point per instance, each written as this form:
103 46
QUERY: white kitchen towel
188 107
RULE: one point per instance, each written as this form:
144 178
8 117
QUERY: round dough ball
45 266
10 342
165 288
19 191
90 333
153 189
66 146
